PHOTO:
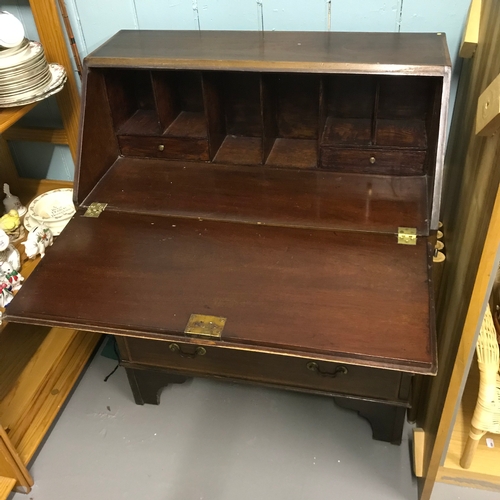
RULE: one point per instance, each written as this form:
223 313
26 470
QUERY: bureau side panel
98 146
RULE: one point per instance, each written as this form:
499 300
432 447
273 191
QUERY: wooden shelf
38 367
471 218
299 153
9 116
29 406
240 150
142 122
6 486
484 472
188 124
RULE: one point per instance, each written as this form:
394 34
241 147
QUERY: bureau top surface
404 53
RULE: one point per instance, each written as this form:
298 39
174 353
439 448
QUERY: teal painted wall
94 21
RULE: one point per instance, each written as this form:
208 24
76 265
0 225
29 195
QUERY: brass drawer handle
314 367
161 147
199 351
372 159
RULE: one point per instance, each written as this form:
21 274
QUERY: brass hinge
95 209
407 236
201 325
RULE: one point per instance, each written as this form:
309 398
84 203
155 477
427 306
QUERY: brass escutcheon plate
202 325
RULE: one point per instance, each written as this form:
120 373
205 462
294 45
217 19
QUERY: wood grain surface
11 464
53 136
484 471
316 199
18 406
98 145
51 33
54 394
263 368
6 486
289 289
19 345
471 218
412 53
9 116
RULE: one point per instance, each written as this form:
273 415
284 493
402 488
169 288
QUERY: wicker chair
487 412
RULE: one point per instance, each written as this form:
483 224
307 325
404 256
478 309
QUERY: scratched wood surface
252 274
471 217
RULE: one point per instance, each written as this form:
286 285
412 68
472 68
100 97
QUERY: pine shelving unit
38 366
471 218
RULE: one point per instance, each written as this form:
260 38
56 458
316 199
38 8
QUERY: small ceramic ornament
11 224
10 221
8 253
39 238
5 295
12 202
13 277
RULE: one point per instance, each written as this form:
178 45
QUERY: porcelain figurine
5 294
11 275
11 224
8 253
39 238
10 221
12 202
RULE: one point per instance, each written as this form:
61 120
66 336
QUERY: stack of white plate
11 30
25 75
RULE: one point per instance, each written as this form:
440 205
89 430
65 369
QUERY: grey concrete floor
211 440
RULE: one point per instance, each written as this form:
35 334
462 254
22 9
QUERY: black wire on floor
117 357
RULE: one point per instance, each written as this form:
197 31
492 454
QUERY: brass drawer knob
161 147
314 367
372 159
199 351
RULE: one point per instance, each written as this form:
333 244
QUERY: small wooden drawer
372 161
170 148
265 368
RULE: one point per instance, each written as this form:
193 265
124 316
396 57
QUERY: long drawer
267 368
372 160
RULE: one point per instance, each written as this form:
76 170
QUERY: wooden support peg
418 451
488 109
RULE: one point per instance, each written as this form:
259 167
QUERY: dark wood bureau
271 202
